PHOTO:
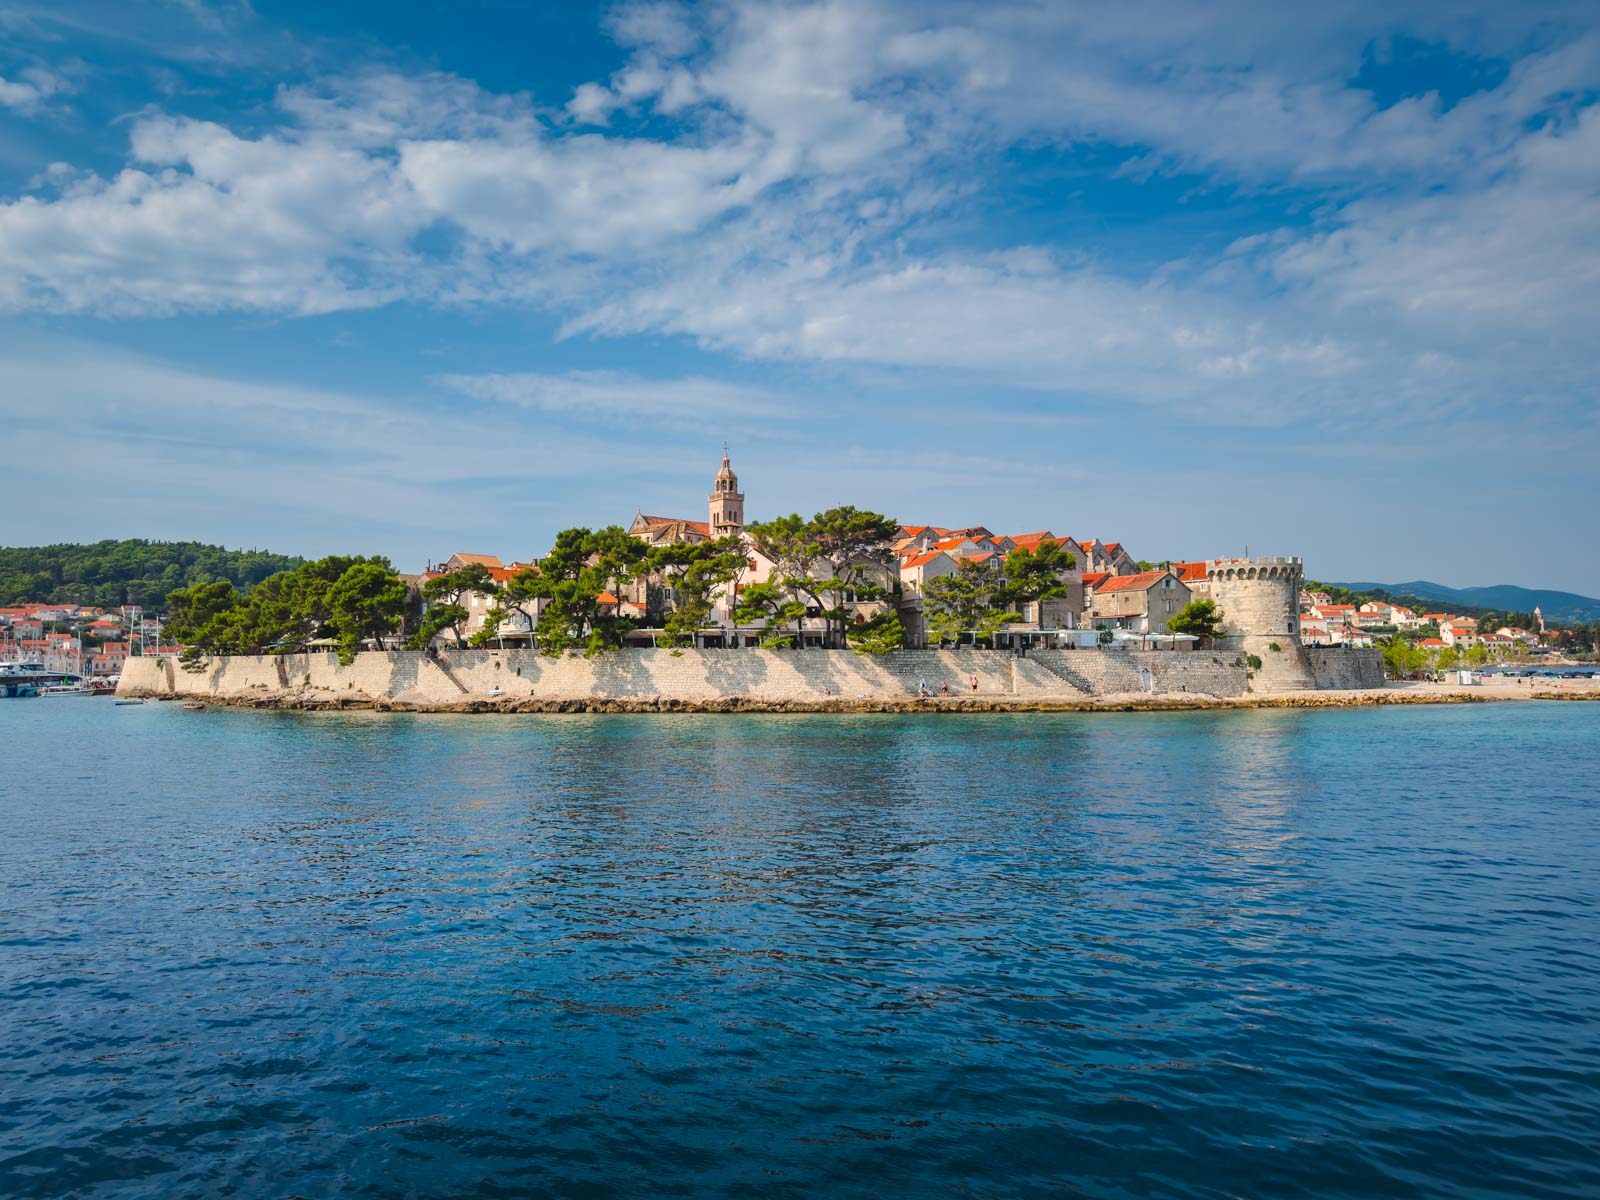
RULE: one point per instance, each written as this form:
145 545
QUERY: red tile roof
702 527
1143 581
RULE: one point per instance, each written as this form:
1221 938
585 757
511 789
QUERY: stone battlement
1279 567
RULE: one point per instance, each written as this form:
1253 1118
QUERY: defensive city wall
451 679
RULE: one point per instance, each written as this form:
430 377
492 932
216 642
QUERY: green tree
1034 576
581 566
770 603
365 603
283 613
877 636
1402 658
790 544
199 617
1198 618
518 596
969 600
695 572
444 595
854 553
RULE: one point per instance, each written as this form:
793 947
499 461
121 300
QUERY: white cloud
796 211
346 471
607 396
28 89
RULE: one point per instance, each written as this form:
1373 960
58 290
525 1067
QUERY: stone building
1112 558
1141 603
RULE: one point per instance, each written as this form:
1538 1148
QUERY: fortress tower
727 502
1259 600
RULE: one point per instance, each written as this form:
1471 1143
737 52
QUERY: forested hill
134 571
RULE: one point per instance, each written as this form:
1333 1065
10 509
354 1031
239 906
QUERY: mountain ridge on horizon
1501 597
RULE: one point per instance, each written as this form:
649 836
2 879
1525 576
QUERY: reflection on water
1313 953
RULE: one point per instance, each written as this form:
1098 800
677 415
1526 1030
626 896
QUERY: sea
1273 953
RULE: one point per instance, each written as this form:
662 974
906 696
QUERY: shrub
1275 648
1255 662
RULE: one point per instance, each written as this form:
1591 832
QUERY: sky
408 279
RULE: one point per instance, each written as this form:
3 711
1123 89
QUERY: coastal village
1106 591
1102 596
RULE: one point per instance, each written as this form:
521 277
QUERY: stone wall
457 676
1335 668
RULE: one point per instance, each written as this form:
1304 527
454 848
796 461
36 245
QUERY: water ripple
1200 955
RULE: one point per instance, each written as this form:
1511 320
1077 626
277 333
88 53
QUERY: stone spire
727 501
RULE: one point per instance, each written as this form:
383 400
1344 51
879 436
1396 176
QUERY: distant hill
1562 607
133 571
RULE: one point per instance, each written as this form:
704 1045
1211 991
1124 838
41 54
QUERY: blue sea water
1274 953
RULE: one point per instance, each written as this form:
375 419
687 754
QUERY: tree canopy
971 600
109 574
829 560
1033 576
352 600
1198 618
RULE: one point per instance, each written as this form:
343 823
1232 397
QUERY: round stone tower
1259 602
727 502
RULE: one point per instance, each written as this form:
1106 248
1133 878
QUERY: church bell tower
727 502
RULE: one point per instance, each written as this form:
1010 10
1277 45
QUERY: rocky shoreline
313 701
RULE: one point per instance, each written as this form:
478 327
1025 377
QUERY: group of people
944 688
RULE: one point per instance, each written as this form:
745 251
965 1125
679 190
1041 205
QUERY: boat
193 707
66 689
121 702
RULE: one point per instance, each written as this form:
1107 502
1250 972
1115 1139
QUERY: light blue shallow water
1348 953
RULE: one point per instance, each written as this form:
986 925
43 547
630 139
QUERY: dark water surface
1350 953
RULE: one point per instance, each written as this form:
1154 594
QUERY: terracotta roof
923 559
1431 642
1190 571
698 526
606 598
488 560
1094 579
1143 581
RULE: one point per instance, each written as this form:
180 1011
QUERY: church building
725 517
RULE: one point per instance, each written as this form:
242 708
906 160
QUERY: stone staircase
1056 665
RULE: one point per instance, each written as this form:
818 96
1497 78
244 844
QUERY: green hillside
132 571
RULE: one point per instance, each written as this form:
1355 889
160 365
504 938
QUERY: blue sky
409 279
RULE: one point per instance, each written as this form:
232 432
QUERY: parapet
1280 567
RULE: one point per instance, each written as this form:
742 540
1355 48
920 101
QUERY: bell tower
727 501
